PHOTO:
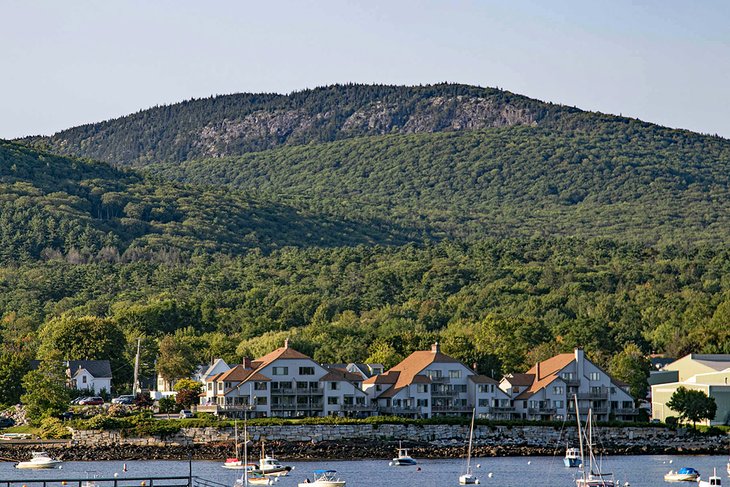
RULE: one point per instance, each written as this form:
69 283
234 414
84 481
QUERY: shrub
53 428
168 405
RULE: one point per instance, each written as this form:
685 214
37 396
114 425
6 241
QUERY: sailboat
593 476
469 477
249 476
234 462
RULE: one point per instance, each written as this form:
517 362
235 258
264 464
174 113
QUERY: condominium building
284 383
548 391
430 383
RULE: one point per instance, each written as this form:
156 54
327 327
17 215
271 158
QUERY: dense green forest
56 206
501 304
623 179
506 228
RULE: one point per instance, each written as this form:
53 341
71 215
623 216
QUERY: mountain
236 124
441 161
54 206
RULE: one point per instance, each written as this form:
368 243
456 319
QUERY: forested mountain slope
52 205
620 178
236 124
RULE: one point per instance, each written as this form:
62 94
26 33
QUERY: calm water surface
640 471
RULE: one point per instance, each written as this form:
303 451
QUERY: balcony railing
296 407
593 395
311 390
282 390
625 411
357 407
450 409
440 380
541 411
503 409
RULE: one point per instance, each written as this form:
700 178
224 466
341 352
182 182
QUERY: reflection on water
639 471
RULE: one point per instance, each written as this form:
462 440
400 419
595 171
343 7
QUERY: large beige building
707 373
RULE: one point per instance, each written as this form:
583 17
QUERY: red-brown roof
279 354
335 375
413 365
549 370
385 378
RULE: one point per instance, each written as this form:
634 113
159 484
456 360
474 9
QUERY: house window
558 404
210 386
421 388
594 376
422 403
334 386
333 400
228 385
378 387
220 386
558 390
567 376
348 400
280 370
261 401
433 374
460 388
613 390
83 380
483 403
259 386
306 370
454 374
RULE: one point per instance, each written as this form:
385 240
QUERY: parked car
78 400
123 400
186 414
7 422
92 401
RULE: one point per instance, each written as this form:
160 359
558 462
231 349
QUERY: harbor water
639 471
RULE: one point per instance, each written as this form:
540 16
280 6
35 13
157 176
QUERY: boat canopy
688 470
320 472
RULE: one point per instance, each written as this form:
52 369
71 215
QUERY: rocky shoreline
359 449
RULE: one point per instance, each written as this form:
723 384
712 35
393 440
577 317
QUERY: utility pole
135 384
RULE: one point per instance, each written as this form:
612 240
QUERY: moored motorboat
572 457
270 466
39 459
323 478
403 459
686 474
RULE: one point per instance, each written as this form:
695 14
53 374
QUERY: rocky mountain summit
236 124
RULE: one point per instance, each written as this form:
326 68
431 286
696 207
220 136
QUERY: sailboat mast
590 439
580 434
471 436
245 452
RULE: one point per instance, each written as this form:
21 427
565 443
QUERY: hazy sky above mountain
73 62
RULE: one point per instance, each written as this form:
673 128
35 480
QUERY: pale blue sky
71 62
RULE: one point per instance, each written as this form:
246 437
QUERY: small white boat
273 467
253 479
713 481
403 459
468 477
323 478
572 458
686 474
39 459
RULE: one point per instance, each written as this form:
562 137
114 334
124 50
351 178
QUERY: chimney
435 348
537 371
246 363
286 343
579 363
